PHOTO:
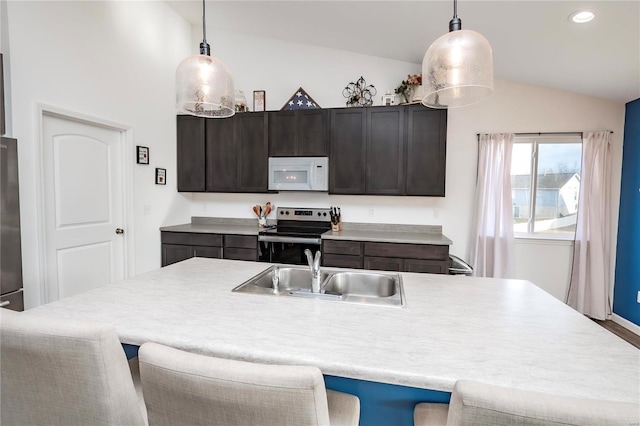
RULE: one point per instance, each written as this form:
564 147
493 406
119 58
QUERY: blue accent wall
627 278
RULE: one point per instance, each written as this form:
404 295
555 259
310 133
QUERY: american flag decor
300 100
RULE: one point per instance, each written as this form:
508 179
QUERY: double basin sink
369 288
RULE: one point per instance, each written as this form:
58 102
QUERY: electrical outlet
371 213
146 210
639 297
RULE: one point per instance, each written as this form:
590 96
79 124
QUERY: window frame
536 140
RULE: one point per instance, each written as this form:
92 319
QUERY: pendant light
457 69
204 84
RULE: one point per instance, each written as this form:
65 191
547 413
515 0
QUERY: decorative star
290 102
308 103
299 94
299 102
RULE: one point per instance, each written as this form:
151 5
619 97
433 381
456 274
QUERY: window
549 167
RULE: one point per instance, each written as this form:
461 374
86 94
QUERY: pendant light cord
204 24
205 49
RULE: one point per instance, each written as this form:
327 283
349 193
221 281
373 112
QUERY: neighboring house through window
549 167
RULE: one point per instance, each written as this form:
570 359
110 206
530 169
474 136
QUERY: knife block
335 227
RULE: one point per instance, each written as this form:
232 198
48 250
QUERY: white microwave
298 173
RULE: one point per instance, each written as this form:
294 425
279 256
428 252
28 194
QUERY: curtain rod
543 133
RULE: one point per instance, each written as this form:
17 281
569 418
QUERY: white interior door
83 187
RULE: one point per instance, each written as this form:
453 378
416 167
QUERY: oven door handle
293 240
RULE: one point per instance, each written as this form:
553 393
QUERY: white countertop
505 332
222 228
386 236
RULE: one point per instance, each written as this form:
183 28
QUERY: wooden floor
621 332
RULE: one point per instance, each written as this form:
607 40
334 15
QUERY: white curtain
590 277
492 243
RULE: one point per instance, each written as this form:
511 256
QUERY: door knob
119 231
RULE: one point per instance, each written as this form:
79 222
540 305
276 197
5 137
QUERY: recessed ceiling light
581 16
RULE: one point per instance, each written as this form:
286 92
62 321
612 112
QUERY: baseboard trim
626 324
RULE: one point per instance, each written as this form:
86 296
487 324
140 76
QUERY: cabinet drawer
342 247
190 238
407 251
241 241
241 254
210 252
383 263
426 266
342 261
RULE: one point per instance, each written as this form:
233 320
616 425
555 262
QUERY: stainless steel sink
364 284
364 287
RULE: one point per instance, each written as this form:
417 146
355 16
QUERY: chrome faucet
314 269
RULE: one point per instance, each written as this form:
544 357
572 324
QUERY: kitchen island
503 332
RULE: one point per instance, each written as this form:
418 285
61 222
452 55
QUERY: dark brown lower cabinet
400 257
179 246
241 247
426 266
342 261
383 263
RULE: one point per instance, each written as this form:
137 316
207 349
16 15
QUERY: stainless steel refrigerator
10 247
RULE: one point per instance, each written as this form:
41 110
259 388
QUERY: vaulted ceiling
533 41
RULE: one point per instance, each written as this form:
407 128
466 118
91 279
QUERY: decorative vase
417 94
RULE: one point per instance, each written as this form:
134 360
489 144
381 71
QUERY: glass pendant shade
205 87
457 70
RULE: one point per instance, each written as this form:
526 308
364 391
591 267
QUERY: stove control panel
303 214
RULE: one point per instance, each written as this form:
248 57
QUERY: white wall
112 60
5 50
281 67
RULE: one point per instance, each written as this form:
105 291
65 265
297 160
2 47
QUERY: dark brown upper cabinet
252 148
388 151
426 151
191 153
347 163
223 155
385 151
398 150
300 133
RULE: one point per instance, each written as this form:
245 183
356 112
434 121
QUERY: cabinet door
383 263
312 133
191 153
172 253
426 151
283 129
348 151
252 143
385 150
221 159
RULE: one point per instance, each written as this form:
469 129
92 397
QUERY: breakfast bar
503 332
